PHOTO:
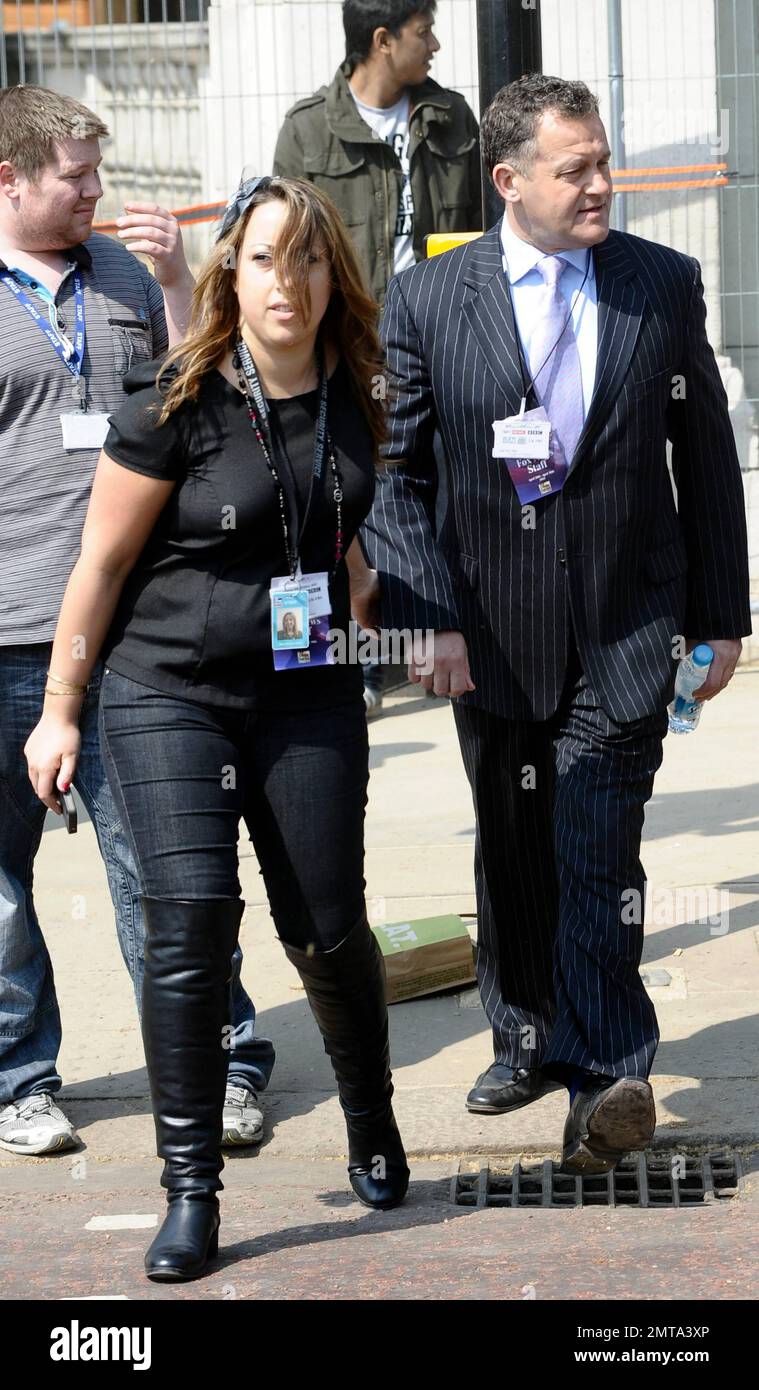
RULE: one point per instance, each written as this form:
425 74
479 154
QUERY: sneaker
243 1117
372 701
35 1125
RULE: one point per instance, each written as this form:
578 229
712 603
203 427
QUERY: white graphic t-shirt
391 124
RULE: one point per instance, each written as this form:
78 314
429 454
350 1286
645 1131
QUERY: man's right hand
441 664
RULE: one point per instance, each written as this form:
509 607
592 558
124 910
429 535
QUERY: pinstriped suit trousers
559 807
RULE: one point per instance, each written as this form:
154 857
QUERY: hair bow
241 201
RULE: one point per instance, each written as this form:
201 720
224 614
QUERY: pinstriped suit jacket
612 553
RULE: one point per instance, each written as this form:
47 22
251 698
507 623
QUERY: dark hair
508 130
362 17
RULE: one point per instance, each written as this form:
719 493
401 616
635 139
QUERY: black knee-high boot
345 988
188 965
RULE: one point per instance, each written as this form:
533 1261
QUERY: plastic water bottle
685 712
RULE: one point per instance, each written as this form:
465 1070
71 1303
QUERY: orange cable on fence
677 183
198 212
621 177
669 169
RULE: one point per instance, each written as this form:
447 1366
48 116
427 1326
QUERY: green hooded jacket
325 140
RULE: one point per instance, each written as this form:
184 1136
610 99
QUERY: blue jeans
184 774
30 1024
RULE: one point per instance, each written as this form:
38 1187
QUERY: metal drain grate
645 1180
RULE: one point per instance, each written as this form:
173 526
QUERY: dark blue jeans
30 1024
184 774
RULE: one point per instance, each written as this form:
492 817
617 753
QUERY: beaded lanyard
250 385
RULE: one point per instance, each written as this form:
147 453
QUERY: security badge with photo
300 612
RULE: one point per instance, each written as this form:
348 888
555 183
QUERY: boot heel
213 1245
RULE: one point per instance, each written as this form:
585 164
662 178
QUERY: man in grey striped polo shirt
77 310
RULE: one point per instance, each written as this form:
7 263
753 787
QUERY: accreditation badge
301 639
84 429
533 456
289 619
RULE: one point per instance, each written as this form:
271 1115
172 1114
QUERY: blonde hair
33 118
350 321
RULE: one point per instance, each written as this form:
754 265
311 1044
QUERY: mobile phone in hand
69 811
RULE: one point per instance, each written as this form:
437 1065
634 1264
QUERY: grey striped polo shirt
45 489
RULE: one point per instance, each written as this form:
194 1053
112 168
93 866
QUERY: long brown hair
350 321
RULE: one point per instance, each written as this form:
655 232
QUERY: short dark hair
362 17
508 131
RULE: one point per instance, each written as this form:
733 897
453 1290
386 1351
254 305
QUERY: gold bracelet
70 685
60 680
48 691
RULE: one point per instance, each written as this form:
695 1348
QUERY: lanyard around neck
71 354
258 413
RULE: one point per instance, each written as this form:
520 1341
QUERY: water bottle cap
702 655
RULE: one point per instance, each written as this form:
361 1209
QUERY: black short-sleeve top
193 618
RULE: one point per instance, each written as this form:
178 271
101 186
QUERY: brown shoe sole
623 1120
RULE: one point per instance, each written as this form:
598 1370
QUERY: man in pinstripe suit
558 623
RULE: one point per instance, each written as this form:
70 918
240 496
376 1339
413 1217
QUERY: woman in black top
228 494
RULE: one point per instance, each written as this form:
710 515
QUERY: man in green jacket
397 153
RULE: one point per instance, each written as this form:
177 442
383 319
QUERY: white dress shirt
520 262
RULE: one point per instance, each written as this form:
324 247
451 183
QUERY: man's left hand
726 655
151 230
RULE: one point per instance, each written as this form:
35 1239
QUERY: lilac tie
559 383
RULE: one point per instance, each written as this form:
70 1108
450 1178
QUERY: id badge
289 619
535 460
316 650
84 429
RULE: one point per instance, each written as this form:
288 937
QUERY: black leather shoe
605 1122
185 1005
345 988
501 1089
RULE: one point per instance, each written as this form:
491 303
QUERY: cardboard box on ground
424 956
